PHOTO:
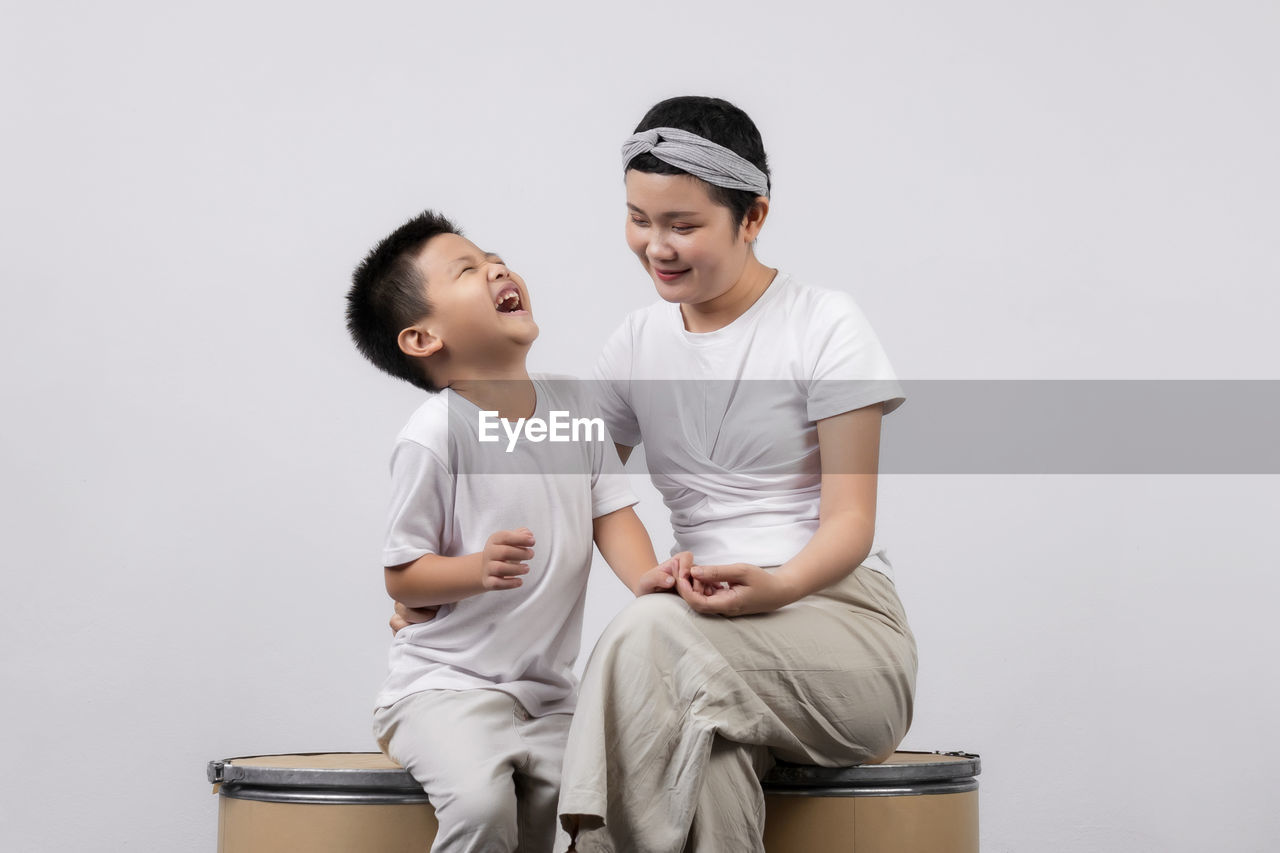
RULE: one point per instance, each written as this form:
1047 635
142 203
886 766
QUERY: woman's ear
754 219
418 341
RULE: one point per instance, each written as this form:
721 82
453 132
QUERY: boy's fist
502 560
403 616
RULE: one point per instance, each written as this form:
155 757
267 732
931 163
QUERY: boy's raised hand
502 560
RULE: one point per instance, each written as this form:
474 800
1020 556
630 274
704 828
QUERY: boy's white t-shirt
450 492
728 418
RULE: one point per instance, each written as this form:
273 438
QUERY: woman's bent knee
645 620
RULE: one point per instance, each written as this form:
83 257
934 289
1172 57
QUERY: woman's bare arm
849 444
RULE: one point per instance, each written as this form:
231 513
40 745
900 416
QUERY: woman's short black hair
721 122
388 295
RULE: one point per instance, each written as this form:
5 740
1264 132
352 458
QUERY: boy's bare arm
432 579
625 546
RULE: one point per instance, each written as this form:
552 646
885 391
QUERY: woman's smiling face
685 241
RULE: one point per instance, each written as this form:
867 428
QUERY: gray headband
700 157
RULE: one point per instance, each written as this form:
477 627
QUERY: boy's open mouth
508 301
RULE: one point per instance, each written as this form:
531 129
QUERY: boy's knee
483 809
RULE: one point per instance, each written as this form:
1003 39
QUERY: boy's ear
419 342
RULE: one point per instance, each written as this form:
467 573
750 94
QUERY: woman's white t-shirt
728 418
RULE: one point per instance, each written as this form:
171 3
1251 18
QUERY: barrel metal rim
949 766
229 774
866 779
957 786
329 796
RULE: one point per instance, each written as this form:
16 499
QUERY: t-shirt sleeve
850 368
611 386
421 511
610 488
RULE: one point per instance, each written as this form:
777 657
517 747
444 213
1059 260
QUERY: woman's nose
659 249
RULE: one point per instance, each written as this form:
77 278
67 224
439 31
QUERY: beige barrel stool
914 802
361 802
336 802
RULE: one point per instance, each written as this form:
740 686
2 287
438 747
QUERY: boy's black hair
722 123
388 295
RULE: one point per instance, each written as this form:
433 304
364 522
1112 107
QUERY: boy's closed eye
471 266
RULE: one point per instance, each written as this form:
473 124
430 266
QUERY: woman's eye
640 222
682 229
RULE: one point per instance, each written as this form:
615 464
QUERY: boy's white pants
491 770
680 715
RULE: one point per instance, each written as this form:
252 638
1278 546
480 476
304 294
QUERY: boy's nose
497 271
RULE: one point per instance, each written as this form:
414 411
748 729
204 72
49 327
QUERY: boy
493 530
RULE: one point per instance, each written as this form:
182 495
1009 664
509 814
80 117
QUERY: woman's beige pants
680 714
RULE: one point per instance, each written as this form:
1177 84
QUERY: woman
759 402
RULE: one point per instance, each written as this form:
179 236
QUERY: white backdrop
194 462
